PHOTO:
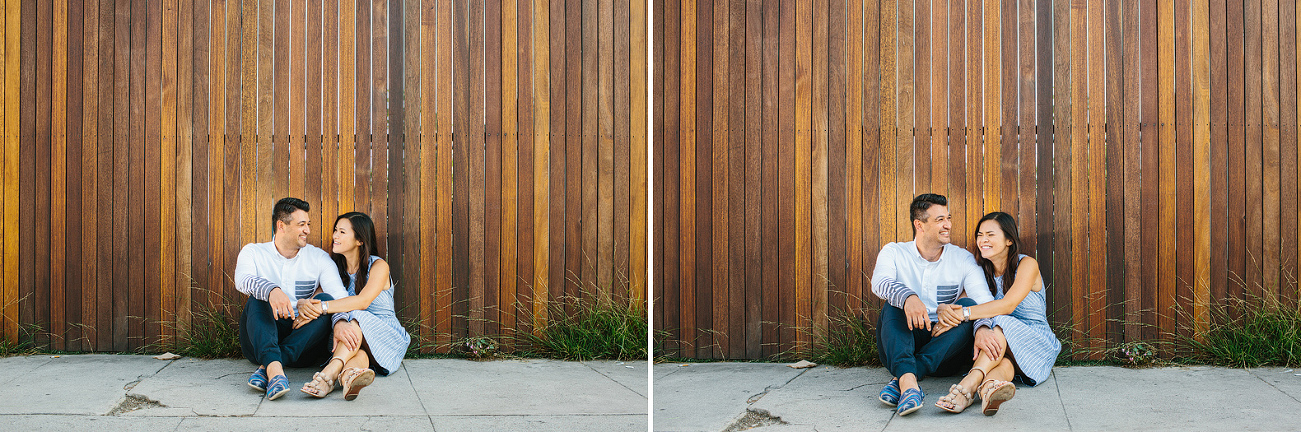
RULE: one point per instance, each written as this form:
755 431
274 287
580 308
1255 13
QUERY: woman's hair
1008 225
364 229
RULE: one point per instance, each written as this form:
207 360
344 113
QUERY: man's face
937 225
298 228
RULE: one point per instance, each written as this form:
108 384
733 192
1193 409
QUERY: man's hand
348 333
309 308
916 312
991 341
281 307
950 314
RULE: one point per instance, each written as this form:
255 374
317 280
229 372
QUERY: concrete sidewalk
772 397
129 392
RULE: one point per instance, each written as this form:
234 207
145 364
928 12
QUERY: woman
365 326
1013 339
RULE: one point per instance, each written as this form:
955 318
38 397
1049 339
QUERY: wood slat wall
146 141
1148 150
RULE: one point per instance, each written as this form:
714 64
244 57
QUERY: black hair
1008 225
923 202
364 229
285 207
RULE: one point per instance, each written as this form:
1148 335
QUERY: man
914 278
276 275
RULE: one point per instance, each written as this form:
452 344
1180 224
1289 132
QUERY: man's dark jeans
265 339
916 351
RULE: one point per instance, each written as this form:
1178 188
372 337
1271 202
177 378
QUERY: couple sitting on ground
934 290
296 296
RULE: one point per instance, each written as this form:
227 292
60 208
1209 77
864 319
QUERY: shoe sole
358 383
278 394
1003 394
910 410
261 389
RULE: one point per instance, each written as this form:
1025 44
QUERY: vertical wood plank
541 141
1202 126
639 94
138 178
509 164
737 204
475 171
1184 235
820 202
604 136
443 213
1096 269
1134 72
281 101
91 95
348 56
670 165
1027 127
939 121
58 175
719 177
1046 124
872 238
314 137
522 281
380 95
770 81
687 171
974 171
704 180
786 175
755 129
574 150
1268 260
992 132
168 164
185 130
904 124
557 148
492 188
803 173
460 208
590 150
1060 297
202 135
43 143
922 109
1219 119
12 100
1078 163
958 151
429 128
1286 286
1254 181
27 153
1116 129
855 176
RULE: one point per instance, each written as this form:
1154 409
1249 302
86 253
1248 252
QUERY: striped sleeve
884 284
983 322
892 292
340 316
246 279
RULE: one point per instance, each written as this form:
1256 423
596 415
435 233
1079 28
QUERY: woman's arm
1026 276
376 282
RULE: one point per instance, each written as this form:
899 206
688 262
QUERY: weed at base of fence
1250 333
213 332
848 341
596 330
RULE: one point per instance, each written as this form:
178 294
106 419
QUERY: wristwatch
325 307
966 313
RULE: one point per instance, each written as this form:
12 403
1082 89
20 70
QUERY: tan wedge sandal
993 393
320 385
354 379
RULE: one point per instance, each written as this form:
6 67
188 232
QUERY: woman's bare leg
360 361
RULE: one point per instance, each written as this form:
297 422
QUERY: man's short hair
924 202
286 207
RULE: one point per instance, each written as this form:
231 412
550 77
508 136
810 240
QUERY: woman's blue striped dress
387 339
1029 338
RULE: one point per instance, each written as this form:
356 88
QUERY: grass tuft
848 341
613 330
213 332
1250 333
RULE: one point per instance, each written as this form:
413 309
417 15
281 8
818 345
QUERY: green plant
612 330
213 332
1250 333
849 340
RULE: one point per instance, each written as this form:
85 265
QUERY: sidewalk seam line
1271 385
1058 384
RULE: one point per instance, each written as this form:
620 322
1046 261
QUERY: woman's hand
991 341
309 308
950 314
348 333
939 329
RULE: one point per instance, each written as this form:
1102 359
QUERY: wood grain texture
1287 156
718 198
1219 120
11 220
1133 70
786 175
1202 126
803 172
1184 246
1255 136
687 182
1096 269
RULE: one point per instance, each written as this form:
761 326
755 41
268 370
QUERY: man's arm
884 284
246 278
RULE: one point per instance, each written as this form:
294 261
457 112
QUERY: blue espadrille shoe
258 381
278 386
912 401
890 393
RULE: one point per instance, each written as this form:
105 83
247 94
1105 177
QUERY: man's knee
965 301
323 297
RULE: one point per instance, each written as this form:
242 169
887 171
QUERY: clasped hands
918 318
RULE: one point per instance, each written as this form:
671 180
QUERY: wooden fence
499 146
1148 150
